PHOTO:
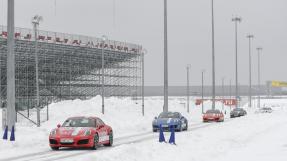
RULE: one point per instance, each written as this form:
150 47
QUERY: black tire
55 148
111 139
186 127
96 141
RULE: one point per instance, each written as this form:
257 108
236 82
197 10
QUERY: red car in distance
81 132
213 115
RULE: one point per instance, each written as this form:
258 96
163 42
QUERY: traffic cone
161 135
5 136
172 135
12 137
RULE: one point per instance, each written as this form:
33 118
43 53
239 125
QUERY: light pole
259 49
104 39
222 93
144 51
187 86
202 90
213 58
11 112
36 21
236 20
165 106
250 75
230 94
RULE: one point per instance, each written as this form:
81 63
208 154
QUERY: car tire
111 139
96 141
186 128
55 148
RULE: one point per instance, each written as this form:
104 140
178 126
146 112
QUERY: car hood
166 121
69 131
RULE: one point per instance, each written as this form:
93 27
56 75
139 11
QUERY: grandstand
69 67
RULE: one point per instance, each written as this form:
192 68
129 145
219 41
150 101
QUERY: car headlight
53 132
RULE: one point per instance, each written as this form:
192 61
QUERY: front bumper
73 142
166 127
207 119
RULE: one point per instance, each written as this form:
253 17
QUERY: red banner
227 102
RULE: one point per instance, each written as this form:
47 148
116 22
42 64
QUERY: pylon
5 136
161 135
12 137
172 135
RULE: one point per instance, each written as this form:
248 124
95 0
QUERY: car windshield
169 115
213 111
238 109
79 122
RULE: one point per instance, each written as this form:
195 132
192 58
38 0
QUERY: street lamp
236 20
144 51
213 58
187 86
222 94
11 112
250 75
36 21
202 95
165 106
259 49
104 39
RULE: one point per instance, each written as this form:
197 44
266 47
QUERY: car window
169 115
79 122
100 122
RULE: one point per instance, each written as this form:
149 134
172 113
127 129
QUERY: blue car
169 119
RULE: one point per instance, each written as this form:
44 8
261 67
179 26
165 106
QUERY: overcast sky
189 32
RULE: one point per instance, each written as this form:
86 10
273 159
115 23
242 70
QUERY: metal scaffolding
69 67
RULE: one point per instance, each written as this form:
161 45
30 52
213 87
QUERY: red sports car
81 132
213 115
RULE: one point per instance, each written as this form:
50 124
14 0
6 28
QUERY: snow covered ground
254 137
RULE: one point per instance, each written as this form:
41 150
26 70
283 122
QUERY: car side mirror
58 126
155 118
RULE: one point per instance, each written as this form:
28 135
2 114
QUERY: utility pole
11 111
236 20
202 90
250 74
259 49
187 86
213 58
36 21
165 106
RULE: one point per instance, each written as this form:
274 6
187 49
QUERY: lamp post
236 20
213 58
144 51
104 39
165 106
202 90
259 49
222 93
250 37
187 86
36 21
11 112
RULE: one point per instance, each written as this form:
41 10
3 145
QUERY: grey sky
189 27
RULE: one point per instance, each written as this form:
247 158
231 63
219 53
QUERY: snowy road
50 155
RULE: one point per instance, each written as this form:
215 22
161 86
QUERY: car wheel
111 139
55 148
96 141
186 126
